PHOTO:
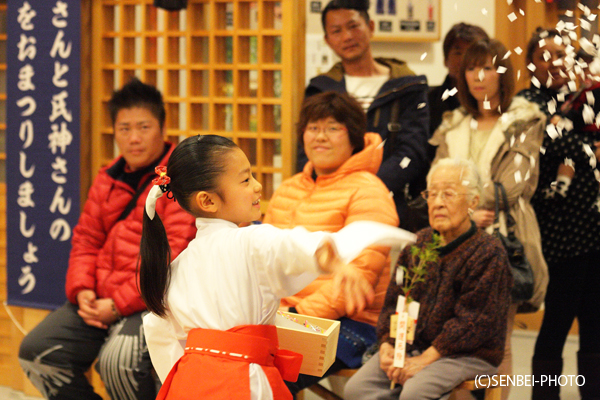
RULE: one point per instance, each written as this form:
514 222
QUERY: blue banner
42 147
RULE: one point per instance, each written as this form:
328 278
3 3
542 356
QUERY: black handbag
522 272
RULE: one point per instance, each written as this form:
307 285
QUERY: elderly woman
464 300
567 203
502 135
337 186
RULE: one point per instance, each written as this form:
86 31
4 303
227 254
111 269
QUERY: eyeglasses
329 130
447 195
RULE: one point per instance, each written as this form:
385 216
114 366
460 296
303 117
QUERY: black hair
362 6
195 165
135 93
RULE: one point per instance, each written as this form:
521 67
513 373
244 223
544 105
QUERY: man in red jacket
103 317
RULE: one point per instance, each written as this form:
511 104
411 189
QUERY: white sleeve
284 259
164 347
287 256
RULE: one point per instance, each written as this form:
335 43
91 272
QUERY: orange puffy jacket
352 193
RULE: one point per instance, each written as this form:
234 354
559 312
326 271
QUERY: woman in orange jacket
337 186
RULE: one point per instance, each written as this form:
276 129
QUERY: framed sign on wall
406 20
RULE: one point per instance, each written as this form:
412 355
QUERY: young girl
214 306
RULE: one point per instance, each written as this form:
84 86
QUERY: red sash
215 364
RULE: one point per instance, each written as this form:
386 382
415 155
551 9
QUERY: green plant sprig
428 253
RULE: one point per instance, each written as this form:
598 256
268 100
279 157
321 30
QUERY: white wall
453 11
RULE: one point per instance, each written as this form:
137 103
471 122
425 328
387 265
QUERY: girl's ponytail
155 258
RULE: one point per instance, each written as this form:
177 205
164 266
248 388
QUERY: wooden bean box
317 348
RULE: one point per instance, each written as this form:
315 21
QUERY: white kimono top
230 276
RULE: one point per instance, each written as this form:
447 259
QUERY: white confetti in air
561 97
404 163
527 174
518 74
381 144
508 53
486 104
523 137
573 35
484 11
481 75
421 105
547 55
592 17
501 69
512 141
588 150
558 62
589 96
509 2
588 114
552 107
572 86
531 67
465 183
474 124
569 163
585 24
597 121
542 43
521 12
567 124
423 56
597 175
593 162
494 60
532 161
518 160
551 131
447 93
538 1
512 16
518 50
569 13
542 150
562 74
587 46
518 177
391 194
558 40
549 81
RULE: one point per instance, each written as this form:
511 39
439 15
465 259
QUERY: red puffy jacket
105 251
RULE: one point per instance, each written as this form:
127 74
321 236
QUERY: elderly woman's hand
386 356
483 218
413 365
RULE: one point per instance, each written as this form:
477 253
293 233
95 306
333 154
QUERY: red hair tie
162 179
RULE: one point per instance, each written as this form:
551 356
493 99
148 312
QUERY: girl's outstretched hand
356 289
